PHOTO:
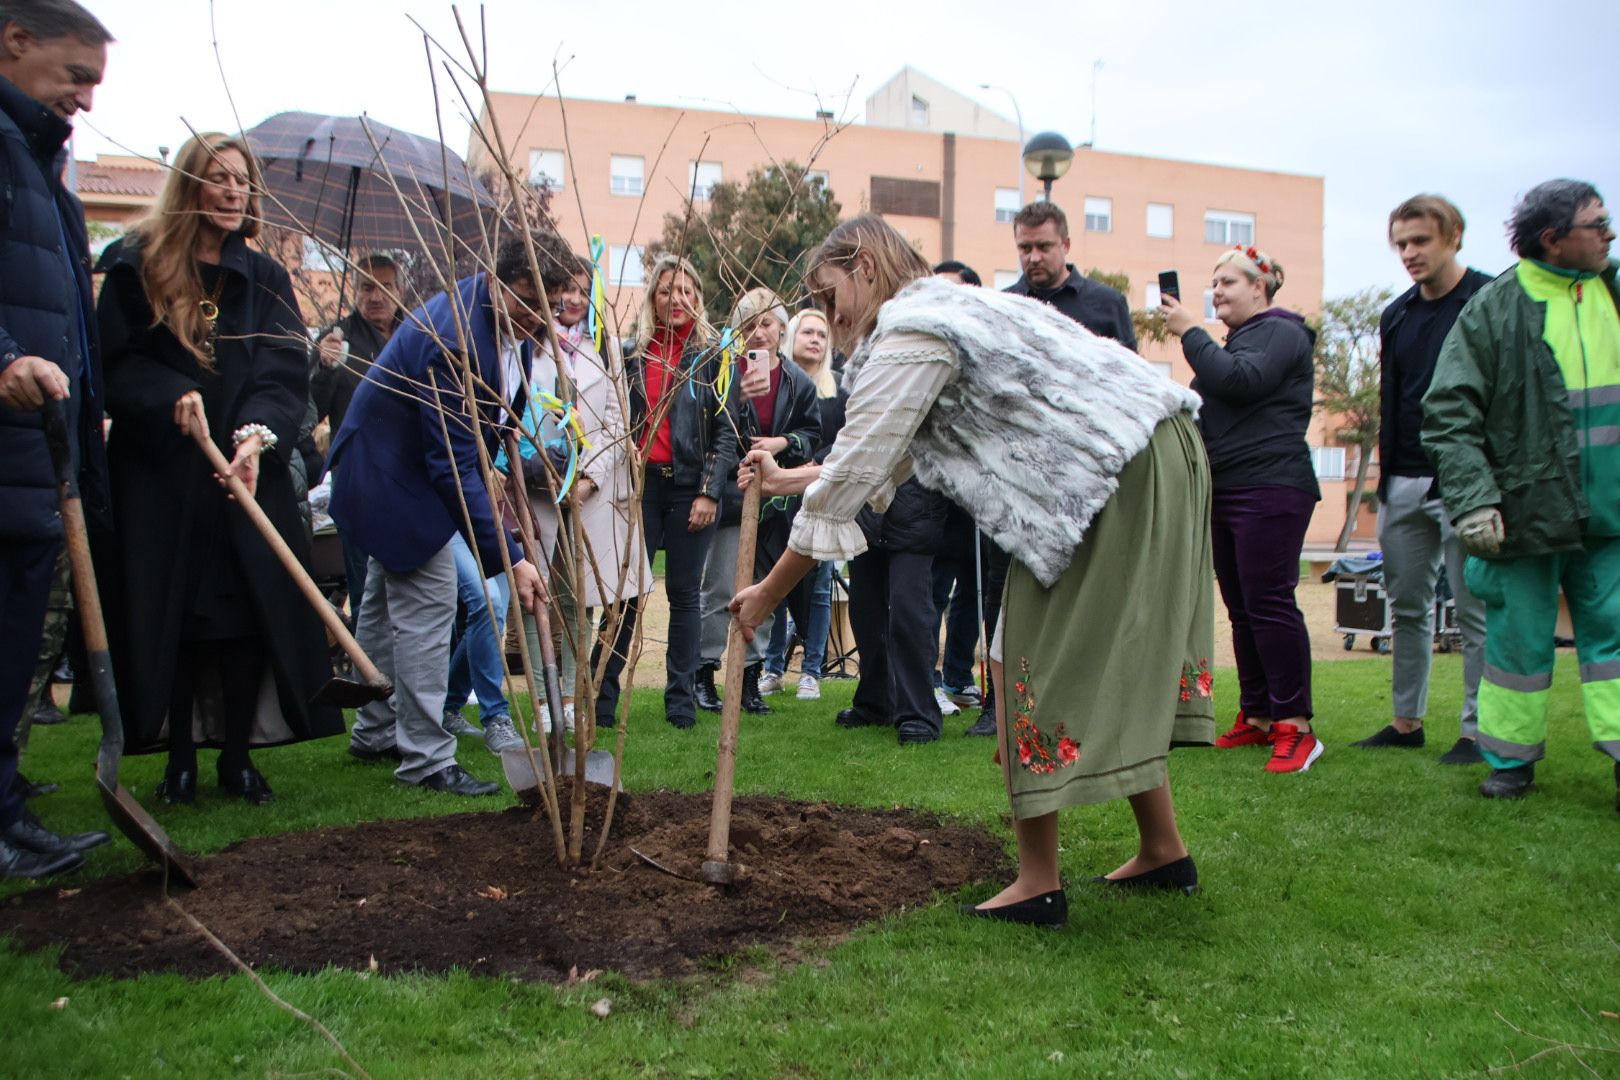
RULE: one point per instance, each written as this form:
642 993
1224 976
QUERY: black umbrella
350 182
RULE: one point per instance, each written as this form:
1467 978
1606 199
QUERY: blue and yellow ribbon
598 291
545 405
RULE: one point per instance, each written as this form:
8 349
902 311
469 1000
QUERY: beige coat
615 556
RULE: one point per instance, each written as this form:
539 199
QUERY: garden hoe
339 692
130 817
717 870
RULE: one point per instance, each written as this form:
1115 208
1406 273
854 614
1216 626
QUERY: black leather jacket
703 428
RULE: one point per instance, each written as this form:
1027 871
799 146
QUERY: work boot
707 697
45 711
752 701
17 862
984 725
1512 783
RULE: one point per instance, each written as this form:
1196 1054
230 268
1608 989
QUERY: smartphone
759 361
1169 284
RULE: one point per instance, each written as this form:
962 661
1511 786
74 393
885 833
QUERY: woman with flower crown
1258 390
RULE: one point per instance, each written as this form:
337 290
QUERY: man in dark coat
406 478
52 54
344 355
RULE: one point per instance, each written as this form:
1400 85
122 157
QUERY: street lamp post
1019 113
1048 156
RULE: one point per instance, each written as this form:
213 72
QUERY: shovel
339 692
716 869
130 817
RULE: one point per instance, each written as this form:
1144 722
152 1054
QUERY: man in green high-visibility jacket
1523 423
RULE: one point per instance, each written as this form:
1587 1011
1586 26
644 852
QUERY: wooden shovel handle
725 764
289 561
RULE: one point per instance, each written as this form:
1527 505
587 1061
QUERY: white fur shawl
1032 434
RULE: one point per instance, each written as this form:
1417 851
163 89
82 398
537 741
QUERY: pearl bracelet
267 438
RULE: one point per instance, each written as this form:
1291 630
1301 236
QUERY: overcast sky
1478 100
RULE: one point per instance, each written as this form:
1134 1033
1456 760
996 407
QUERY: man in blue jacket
52 53
406 478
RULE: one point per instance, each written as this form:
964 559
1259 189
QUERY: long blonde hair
822 373
168 239
647 317
895 265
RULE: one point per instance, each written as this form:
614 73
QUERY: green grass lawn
1372 918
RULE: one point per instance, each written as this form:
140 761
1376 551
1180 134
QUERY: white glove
1481 531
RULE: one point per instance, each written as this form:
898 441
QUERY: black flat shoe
16 862
360 753
30 834
984 725
1391 736
682 723
454 780
855 718
1050 910
247 783
1463 752
1181 874
178 788
916 735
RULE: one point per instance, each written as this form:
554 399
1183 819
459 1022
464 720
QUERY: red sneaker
1292 750
1243 733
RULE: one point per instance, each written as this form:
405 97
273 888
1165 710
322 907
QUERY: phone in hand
1170 284
759 362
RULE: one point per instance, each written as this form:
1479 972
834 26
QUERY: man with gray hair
52 54
1522 421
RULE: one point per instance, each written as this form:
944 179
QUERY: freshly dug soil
483 892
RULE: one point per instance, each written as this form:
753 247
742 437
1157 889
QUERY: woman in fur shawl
1083 463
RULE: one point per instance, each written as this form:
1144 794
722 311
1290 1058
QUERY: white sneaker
770 683
809 688
500 734
947 707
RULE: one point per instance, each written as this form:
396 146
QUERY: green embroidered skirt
1108 669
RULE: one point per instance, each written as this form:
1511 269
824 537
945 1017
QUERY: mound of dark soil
483 892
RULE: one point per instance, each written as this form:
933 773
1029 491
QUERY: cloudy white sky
1478 100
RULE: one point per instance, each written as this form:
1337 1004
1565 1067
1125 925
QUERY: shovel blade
145 833
523 778
351 693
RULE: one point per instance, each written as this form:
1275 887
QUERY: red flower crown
1255 257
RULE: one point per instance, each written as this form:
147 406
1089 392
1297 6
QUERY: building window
1006 278
1150 293
919 112
1329 462
624 265
320 257
907 198
546 169
1228 227
627 174
1006 205
1209 305
1099 215
701 176
1161 220
813 175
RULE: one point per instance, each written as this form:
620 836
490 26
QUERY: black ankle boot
708 699
752 702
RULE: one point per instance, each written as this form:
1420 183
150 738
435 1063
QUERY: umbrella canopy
354 183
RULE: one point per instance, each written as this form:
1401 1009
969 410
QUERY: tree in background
1149 324
1347 382
755 233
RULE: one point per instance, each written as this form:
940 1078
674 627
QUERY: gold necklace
209 306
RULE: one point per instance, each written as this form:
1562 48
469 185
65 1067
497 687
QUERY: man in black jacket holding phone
1413 530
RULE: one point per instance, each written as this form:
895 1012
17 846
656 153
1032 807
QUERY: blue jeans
813 632
476 665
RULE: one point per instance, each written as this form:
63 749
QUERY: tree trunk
1355 500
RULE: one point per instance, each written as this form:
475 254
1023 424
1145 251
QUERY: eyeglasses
1602 225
